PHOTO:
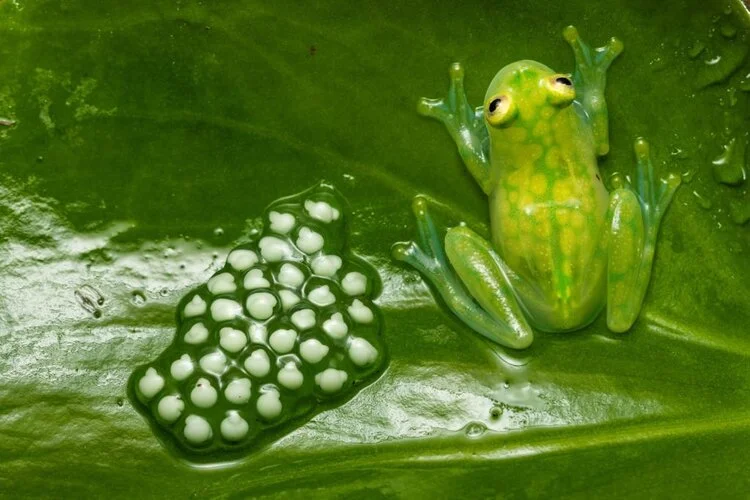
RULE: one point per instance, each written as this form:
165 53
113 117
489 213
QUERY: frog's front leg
634 218
475 284
464 123
590 78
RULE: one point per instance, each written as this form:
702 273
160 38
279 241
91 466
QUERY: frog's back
548 210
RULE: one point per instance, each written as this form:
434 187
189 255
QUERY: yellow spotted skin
562 246
548 204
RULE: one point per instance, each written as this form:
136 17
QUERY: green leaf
144 127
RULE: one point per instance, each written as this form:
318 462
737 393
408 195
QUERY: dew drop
728 31
475 430
704 202
137 297
496 412
696 49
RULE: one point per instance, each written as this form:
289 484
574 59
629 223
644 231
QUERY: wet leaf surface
142 128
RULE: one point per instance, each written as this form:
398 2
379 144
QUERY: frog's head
526 91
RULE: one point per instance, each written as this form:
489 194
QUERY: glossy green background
142 127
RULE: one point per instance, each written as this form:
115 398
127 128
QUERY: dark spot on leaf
313 50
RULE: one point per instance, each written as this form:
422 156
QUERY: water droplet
728 31
713 60
496 412
137 297
164 292
745 83
678 153
475 430
218 232
720 67
728 167
689 175
657 64
120 402
732 95
696 49
702 201
739 212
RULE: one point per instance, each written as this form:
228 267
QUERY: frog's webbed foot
635 216
654 196
489 307
590 78
464 123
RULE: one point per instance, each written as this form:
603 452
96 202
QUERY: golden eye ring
560 90
500 110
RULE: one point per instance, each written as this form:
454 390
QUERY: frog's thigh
482 273
625 289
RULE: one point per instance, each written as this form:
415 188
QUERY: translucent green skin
562 245
548 205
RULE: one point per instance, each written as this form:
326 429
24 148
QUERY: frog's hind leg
496 313
635 217
590 78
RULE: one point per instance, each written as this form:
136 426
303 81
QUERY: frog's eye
560 91
500 110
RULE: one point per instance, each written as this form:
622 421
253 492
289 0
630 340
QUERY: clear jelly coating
286 329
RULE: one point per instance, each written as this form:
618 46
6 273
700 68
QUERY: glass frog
562 245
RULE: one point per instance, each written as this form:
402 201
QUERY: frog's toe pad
284 330
570 33
456 71
615 46
642 149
